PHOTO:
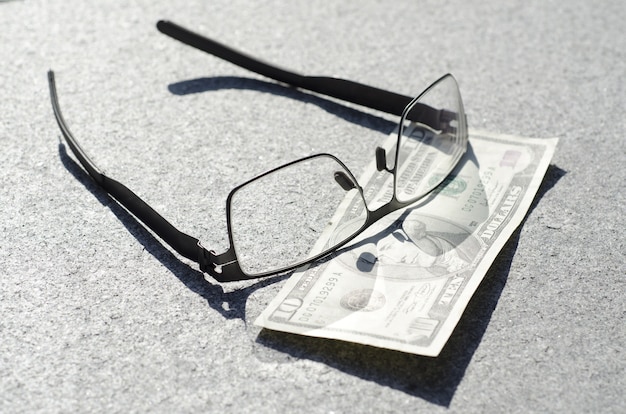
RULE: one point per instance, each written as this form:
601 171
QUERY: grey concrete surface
97 315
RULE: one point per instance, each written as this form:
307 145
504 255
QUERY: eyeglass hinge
207 260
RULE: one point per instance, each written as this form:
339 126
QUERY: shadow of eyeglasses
230 304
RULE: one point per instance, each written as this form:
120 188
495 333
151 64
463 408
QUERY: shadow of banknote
432 379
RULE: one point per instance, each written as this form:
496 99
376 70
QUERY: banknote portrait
413 246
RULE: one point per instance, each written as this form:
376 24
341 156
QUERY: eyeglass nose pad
344 181
381 159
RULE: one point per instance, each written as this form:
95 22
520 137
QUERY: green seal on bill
450 186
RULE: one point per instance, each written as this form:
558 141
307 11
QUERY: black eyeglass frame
225 267
346 90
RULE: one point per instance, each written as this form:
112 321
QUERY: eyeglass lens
428 154
276 220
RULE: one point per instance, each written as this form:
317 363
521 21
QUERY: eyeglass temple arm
346 90
184 244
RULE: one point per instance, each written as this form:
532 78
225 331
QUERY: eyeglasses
275 219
